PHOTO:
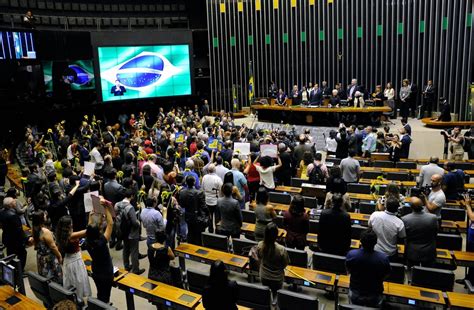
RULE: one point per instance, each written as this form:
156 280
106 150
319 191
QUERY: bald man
436 199
421 229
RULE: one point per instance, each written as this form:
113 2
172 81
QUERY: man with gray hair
427 171
211 185
14 238
189 171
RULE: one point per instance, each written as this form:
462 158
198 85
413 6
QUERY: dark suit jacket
429 94
316 96
114 191
192 200
13 234
116 92
420 242
334 241
405 148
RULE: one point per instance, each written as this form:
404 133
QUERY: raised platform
318 115
429 122
240 114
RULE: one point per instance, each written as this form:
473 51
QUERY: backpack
316 176
122 222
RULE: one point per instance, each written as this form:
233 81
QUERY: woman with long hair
304 163
159 256
220 292
296 223
74 270
264 213
96 241
48 258
253 177
392 191
273 260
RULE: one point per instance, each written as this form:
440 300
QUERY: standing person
264 213
427 171
48 258
470 235
239 180
429 96
253 177
229 212
220 292
413 98
267 170
273 260
331 143
159 256
388 228
395 148
194 203
468 142
211 185
456 147
421 229
350 168
130 232
405 140
152 221
317 170
337 242
453 181
296 223
436 199
404 95
284 173
367 269
13 237
369 142
389 93
96 241
74 270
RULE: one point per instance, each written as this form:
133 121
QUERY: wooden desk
443 256
208 256
412 171
366 109
402 293
359 218
7 291
201 307
460 300
357 196
163 294
250 228
289 189
88 262
321 280
386 182
429 122
465 259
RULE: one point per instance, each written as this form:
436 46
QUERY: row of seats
93 7
401 164
15 20
50 293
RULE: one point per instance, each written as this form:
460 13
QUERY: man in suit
194 203
109 136
114 192
316 96
118 90
429 95
421 229
340 91
352 89
273 90
405 139
325 89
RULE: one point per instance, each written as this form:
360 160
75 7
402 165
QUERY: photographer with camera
436 199
456 143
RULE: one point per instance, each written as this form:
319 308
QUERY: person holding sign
266 171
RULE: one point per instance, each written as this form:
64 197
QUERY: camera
419 191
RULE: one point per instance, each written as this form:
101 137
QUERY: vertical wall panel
317 40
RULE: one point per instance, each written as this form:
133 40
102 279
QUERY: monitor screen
135 72
48 76
80 73
9 274
17 45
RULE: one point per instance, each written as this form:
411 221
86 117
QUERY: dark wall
375 41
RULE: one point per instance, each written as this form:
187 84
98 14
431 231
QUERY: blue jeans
370 300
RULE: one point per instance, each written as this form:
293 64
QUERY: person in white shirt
96 157
266 171
388 228
427 171
211 185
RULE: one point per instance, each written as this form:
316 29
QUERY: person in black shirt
220 293
330 240
367 269
96 244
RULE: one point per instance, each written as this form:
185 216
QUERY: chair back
383 164
95 304
313 226
288 300
296 182
298 258
215 241
254 296
358 188
453 214
330 263
39 286
399 176
310 202
197 280
438 279
58 293
277 197
397 274
357 230
242 246
248 216
367 207
449 242
406 165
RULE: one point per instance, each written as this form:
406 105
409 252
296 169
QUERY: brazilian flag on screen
251 89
